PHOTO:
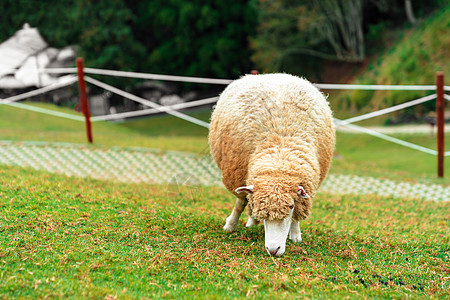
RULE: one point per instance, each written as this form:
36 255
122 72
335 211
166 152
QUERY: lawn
174 134
365 155
81 238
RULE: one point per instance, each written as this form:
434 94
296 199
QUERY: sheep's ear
248 189
301 192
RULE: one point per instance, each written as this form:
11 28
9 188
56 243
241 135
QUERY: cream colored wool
273 131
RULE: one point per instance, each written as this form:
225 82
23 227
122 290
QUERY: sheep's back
257 108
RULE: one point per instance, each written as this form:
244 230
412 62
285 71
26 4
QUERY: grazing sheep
273 138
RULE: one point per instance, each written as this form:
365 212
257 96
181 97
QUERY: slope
414 59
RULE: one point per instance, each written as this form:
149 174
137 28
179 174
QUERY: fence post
84 98
440 121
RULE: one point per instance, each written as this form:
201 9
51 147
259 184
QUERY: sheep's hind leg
251 222
233 219
295 234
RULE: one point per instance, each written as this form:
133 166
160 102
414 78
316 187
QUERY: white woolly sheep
273 137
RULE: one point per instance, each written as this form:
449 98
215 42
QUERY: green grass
156 132
169 126
80 238
364 155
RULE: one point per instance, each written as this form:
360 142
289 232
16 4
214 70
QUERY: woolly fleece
273 131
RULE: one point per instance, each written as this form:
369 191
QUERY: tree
409 12
104 35
340 23
195 38
301 34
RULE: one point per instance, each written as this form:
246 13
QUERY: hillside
413 59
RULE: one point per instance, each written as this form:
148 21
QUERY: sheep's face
271 202
274 205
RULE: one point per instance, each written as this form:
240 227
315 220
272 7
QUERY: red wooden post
254 72
84 98
440 121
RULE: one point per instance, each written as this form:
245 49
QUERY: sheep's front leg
295 234
233 219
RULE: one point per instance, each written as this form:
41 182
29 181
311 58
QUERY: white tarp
15 50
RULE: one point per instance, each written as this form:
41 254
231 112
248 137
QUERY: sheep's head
275 204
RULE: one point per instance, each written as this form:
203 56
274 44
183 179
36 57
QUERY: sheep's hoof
296 238
229 228
251 222
230 225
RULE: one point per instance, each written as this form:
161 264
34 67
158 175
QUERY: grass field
66 237
18 124
69 237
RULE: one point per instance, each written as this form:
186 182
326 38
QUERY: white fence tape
140 75
388 110
172 109
325 86
146 112
387 137
62 83
47 111
157 76
329 86
145 102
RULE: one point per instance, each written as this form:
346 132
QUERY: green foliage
414 59
360 98
195 38
282 36
200 38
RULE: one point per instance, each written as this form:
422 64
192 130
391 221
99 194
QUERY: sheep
272 136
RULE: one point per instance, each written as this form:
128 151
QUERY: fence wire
173 109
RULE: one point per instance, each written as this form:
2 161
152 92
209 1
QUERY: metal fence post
84 99
440 121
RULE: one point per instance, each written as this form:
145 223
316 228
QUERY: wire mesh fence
138 165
